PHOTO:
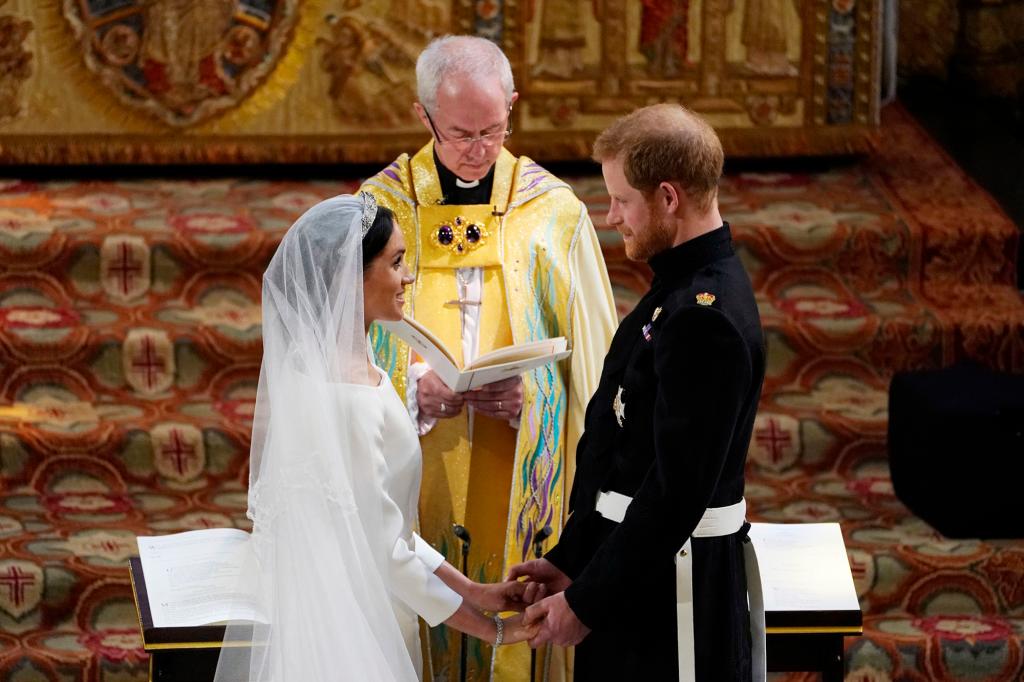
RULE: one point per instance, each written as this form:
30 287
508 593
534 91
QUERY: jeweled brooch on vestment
460 236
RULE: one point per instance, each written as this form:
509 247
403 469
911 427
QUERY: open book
499 364
186 582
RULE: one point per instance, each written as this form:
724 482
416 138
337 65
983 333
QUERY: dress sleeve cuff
444 604
416 372
414 582
426 553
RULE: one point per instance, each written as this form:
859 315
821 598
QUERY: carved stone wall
84 81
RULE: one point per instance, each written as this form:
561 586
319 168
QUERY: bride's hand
515 631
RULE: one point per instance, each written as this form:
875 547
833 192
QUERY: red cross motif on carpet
21 587
148 364
125 267
776 441
148 359
178 451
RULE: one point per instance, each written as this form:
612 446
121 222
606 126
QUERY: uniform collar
692 255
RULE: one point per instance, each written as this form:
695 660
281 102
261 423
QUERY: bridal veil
321 570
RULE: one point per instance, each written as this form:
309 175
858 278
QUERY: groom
647 579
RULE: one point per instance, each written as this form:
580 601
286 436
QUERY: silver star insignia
619 405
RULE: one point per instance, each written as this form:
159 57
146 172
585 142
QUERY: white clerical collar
462 184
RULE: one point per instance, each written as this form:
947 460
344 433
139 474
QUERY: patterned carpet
129 352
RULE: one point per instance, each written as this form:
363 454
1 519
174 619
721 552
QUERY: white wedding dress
334 482
393 464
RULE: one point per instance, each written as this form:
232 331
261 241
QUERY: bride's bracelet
499 626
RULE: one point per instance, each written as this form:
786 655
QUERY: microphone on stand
463 535
538 551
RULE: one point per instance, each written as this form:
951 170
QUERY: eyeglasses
464 144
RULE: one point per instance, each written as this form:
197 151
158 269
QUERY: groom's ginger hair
665 143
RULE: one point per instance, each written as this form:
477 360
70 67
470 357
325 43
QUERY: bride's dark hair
378 235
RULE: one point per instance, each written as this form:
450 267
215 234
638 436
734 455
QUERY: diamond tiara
369 211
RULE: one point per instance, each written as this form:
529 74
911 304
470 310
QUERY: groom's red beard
650 240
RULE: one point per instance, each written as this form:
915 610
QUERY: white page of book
526 351
476 378
804 567
499 364
200 577
428 346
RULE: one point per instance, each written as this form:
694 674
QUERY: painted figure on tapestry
502 253
15 63
369 70
179 50
663 36
422 18
764 36
371 59
562 38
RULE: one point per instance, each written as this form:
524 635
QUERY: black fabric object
690 371
956 449
463 196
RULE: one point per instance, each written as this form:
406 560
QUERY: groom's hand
543 578
558 623
435 399
497 597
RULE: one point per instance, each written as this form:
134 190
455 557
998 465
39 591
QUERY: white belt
716 522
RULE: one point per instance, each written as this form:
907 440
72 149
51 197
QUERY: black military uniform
669 426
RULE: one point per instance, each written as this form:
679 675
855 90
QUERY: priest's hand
496 597
543 578
515 631
558 623
500 400
435 399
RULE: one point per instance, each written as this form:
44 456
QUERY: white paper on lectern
804 567
200 577
496 365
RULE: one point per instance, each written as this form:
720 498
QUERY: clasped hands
537 588
500 400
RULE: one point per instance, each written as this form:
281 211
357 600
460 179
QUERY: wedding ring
444 408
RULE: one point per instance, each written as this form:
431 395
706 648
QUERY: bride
335 474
